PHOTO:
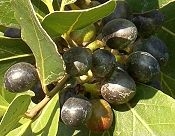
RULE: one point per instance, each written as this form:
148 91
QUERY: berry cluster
110 56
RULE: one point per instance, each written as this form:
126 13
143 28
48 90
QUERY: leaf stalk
36 109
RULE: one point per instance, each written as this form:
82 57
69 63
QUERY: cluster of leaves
151 112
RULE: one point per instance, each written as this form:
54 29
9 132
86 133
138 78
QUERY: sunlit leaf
3 106
54 23
47 122
7 14
48 61
19 131
15 111
151 112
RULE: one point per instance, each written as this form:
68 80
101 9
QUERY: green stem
50 8
59 85
95 45
62 6
35 110
39 16
69 40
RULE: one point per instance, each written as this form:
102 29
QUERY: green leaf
47 122
15 111
167 34
54 23
56 4
3 106
40 8
48 61
49 4
7 14
150 113
11 48
168 85
19 131
2 28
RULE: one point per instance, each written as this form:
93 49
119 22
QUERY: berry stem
36 109
69 40
95 45
59 85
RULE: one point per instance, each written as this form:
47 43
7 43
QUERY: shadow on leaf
143 92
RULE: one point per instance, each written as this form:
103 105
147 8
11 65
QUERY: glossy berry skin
102 116
142 66
155 84
20 77
39 93
76 111
77 61
148 23
119 33
155 47
13 33
103 62
119 88
66 93
122 10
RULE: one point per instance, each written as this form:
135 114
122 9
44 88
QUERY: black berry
103 62
156 48
20 77
76 111
78 61
142 66
119 33
119 88
102 116
13 32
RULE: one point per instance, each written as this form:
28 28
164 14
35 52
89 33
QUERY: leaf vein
153 124
72 26
165 83
155 105
7 51
15 57
168 31
140 119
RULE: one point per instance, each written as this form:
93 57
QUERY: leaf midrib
35 22
16 57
